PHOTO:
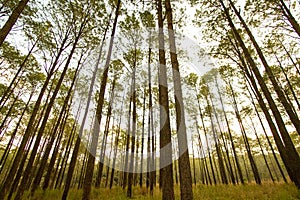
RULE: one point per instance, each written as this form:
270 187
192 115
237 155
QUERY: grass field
278 191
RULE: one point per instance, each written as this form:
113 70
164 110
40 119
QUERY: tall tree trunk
278 141
78 139
292 115
247 145
12 20
166 176
293 165
143 139
246 168
43 162
210 159
110 152
27 150
63 163
262 151
200 153
105 135
287 13
30 126
84 159
13 135
268 140
128 133
186 192
56 156
117 138
9 89
231 141
203 157
151 172
217 143
201 145
91 160
28 168
133 132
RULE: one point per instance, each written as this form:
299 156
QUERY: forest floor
277 191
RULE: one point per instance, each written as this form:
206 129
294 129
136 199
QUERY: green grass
278 191
250 191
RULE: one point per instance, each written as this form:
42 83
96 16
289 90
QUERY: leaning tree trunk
30 125
105 135
12 20
268 140
262 151
78 140
44 159
13 135
63 164
8 90
231 140
247 145
87 186
207 146
9 112
292 90
292 115
278 141
28 168
205 167
287 13
290 57
294 161
217 143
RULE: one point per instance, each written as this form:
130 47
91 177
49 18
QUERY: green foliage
192 79
147 19
10 55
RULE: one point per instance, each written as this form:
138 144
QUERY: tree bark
143 139
30 126
78 140
287 13
28 168
133 132
166 176
12 20
294 161
293 117
186 192
43 161
91 159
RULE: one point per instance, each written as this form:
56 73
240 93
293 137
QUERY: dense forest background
165 98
